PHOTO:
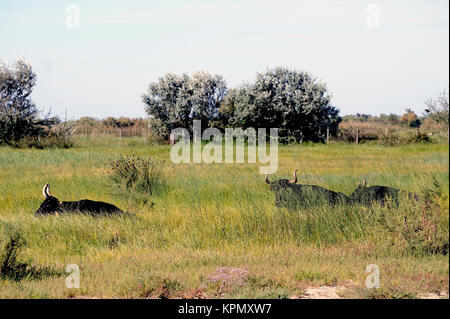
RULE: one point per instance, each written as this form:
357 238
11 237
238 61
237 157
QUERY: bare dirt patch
324 292
431 295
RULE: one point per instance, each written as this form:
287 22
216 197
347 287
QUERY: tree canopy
176 100
18 113
292 101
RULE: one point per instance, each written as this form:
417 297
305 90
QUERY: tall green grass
214 215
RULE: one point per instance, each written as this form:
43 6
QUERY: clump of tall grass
427 229
419 226
137 178
141 175
11 268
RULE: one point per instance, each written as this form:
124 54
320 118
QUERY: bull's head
51 204
283 189
362 186
283 181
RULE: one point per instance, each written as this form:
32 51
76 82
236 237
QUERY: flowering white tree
292 101
176 100
18 114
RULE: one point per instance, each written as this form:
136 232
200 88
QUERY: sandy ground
330 292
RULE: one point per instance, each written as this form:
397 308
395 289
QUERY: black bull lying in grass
292 195
52 206
289 194
364 195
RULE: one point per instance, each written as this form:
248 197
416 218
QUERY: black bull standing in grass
52 206
291 195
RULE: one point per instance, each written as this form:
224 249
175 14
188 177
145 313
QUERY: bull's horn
44 190
48 190
267 178
364 182
293 181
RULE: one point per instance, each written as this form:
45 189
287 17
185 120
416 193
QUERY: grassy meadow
213 230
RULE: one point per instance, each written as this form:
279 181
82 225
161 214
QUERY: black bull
289 194
292 195
364 195
52 206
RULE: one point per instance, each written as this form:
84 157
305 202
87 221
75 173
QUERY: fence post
120 133
328 135
93 133
357 137
145 134
172 139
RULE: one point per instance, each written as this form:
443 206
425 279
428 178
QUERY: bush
392 139
143 176
10 268
53 140
421 226
418 138
389 139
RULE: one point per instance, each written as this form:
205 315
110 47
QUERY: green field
223 215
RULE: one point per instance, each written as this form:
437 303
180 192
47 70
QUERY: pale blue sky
102 68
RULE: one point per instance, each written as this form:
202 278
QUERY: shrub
11 268
50 141
390 139
143 176
418 138
423 225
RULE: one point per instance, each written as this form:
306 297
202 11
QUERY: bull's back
309 195
367 195
90 206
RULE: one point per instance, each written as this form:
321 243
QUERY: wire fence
148 134
117 132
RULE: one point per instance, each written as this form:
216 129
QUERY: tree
227 112
18 113
292 101
207 92
410 119
437 110
175 101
